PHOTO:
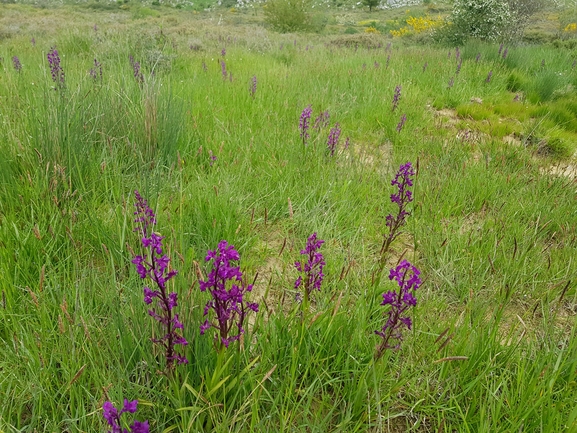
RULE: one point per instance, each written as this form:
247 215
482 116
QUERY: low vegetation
209 225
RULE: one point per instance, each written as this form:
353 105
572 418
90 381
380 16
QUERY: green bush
480 19
289 15
489 20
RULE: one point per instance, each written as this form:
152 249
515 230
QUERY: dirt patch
446 118
378 157
561 170
513 140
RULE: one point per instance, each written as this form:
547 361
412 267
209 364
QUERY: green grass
493 346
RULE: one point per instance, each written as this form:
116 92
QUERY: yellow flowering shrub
371 30
571 28
417 25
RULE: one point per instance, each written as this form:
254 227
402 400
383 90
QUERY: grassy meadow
206 128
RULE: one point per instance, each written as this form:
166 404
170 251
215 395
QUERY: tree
521 11
371 4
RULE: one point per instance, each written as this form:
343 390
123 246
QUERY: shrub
490 20
416 25
371 4
288 15
480 19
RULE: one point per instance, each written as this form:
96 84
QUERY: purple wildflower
155 266
322 120
304 123
136 70
451 82
401 123
252 88
478 57
459 63
17 64
223 52
505 53
500 49
396 96
347 142
112 416
403 181
211 157
223 69
312 275
377 65
55 68
489 75
96 71
457 54
333 139
407 277
229 305
33 42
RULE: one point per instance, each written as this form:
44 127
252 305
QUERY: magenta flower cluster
154 264
407 277
333 139
55 69
223 69
16 63
113 415
311 277
96 71
403 181
396 96
136 70
304 123
228 305
401 123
